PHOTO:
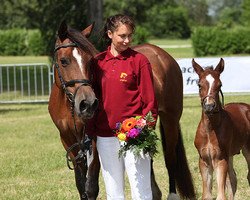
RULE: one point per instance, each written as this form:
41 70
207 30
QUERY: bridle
216 106
65 84
83 144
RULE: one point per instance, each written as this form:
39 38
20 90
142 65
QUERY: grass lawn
32 158
176 48
33 164
170 41
175 52
23 59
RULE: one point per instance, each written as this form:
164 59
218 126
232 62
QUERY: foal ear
87 31
63 30
220 66
197 68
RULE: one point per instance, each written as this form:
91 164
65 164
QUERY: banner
235 77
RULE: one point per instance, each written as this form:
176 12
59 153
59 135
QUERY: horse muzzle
85 101
86 109
209 105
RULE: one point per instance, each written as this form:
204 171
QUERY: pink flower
141 122
133 133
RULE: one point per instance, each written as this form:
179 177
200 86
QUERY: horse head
209 86
72 67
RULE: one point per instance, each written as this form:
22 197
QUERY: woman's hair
113 22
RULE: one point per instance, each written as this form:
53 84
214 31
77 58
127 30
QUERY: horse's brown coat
169 93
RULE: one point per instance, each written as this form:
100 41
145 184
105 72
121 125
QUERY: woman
124 86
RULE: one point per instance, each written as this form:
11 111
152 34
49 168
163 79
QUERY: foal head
73 57
209 86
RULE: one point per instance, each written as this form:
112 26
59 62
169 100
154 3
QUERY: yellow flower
122 136
128 124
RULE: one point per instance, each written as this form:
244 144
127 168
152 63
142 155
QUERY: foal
221 133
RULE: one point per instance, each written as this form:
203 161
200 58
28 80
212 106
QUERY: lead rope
222 97
84 145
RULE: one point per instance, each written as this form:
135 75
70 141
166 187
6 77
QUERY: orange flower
128 124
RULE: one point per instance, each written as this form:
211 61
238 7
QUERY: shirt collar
122 56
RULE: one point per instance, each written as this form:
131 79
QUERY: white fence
29 83
25 83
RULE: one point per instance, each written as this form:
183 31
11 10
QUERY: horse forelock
78 38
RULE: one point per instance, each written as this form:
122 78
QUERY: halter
83 144
222 97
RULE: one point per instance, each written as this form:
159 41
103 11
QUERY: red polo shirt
124 87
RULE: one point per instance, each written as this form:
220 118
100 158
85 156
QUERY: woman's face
121 37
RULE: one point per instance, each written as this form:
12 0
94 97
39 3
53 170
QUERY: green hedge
141 35
214 41
20 42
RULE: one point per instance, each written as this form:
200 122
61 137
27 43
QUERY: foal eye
64 61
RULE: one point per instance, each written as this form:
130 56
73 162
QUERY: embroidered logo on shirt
123 77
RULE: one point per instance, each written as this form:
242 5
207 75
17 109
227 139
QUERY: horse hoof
173 196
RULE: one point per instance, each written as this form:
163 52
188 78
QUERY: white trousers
113 171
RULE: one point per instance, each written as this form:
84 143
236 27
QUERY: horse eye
64 61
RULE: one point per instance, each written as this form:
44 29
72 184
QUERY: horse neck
212 120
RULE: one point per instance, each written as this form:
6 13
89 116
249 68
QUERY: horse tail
178 170
184 180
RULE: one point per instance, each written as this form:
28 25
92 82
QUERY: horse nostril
83 106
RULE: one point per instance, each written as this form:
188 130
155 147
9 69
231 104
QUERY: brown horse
221 133
72 101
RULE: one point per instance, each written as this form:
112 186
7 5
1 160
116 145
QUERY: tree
245 18
46 15
198 11
95 13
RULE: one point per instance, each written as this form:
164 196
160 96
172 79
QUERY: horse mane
209 68
77 37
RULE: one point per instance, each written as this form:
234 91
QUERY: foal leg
207 179
231 180
221 176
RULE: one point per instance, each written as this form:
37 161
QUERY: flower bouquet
138 135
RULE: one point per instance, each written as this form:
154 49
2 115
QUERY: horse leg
221 176
155 188
92 186
80 168
231 180
207 179
246 154
169 144
80 178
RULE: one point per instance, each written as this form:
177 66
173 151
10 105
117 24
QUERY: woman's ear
110 34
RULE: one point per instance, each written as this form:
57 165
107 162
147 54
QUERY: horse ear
197 68
63 30
220 66
87 31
